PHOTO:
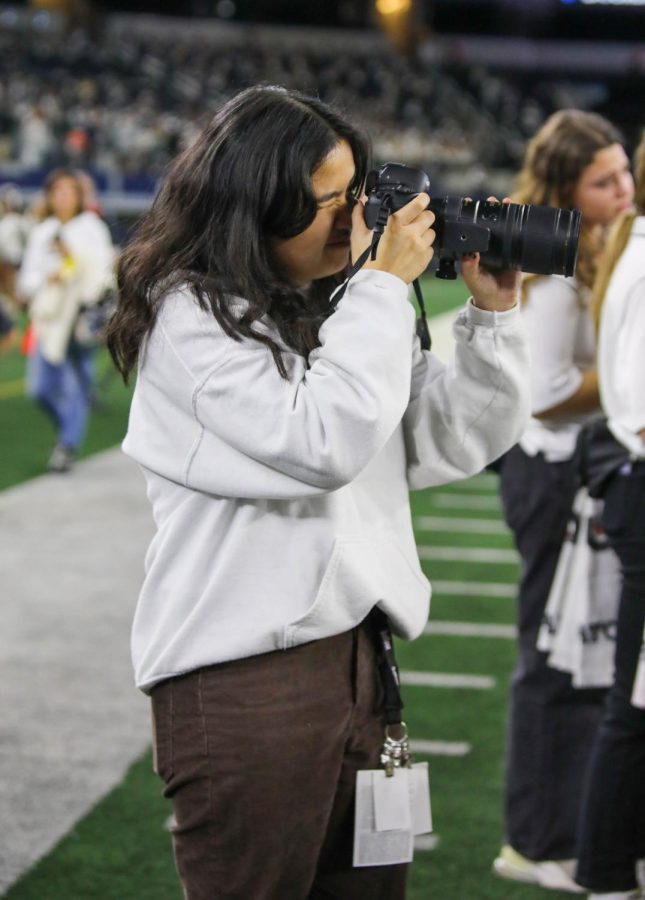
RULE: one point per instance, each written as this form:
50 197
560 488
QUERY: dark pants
612 822
259 757
551 724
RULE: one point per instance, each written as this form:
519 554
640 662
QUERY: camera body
538 239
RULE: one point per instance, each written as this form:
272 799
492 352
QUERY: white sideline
71 557
471 629
445 680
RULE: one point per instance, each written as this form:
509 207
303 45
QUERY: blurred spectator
8 331
15 224
67 264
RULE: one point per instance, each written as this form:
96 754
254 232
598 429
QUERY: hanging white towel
579 627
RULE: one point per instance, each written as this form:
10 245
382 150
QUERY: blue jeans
64 391
612 818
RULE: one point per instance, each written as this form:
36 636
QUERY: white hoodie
282 506
621 351
54 307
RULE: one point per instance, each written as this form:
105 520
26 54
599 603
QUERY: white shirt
621 350
54 307
282 506
562 345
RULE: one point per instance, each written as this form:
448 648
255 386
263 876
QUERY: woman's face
605 188
63 198
322 249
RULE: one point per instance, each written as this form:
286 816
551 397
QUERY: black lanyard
387 667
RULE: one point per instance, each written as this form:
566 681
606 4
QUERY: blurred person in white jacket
15 225
612 818
576 159
68 264
279 439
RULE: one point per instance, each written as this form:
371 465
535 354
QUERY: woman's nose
626 184
344 216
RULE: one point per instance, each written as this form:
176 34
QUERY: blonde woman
575 160
67 264
612 821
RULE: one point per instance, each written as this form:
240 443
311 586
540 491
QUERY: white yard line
445 680
464 501
469 554
460 526
426 842
441 748
471 629
474 588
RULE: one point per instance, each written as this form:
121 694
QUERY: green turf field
121 850
28 437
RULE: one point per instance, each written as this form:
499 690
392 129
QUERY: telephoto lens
542 240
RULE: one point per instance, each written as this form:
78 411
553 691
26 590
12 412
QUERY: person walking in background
612 817
279 437
575 160
15 225
68 264
8 332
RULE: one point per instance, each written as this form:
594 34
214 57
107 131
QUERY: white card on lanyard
420 798
389 812
392 800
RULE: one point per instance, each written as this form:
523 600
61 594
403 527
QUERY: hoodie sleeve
465 414
232 426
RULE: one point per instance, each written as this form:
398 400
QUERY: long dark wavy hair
245 181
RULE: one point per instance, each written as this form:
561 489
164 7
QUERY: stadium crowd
127 101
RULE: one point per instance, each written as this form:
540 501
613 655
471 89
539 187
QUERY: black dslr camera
538 239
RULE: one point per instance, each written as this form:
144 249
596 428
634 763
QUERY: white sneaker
556 875
640 872
617 895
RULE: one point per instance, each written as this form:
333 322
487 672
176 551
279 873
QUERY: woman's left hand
491 290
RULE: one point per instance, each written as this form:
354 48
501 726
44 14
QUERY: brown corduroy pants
259 757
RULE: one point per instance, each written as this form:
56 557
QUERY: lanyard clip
396 751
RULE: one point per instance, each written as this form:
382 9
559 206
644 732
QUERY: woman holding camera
612 818
575 160
279 439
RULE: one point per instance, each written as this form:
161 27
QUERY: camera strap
422 330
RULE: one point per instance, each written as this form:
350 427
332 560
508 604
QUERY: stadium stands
123 100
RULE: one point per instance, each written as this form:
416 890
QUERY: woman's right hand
405 248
